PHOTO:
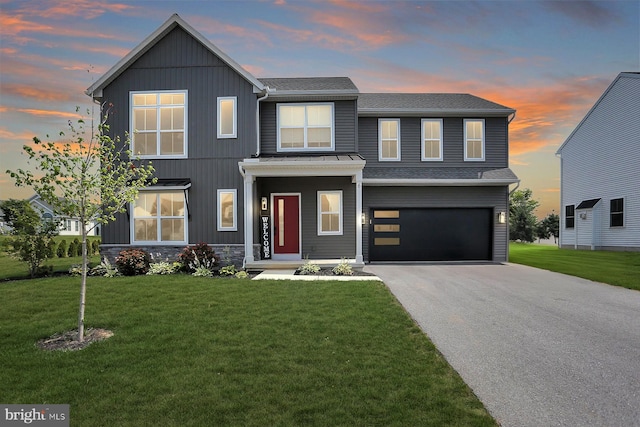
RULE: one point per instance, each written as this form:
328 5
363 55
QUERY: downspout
266 95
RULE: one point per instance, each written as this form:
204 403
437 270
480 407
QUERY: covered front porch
303 208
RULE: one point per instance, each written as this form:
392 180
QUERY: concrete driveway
538 348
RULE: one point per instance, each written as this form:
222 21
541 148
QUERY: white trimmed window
389 139
158 124
227 117
474 140
159 217
227 210
616 213
305 127
329 213
431 140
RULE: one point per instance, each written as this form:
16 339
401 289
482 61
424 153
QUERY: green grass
614 268
196 351
13 269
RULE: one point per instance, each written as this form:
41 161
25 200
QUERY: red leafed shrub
132 262
205 255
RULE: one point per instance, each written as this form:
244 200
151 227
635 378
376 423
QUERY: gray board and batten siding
180 62
314 246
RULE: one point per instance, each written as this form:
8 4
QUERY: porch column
358 179
248 217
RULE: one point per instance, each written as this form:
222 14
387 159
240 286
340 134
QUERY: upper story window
159 217
158 124
305 127
389 139
474 140
616 213
569 216
227 113
431 140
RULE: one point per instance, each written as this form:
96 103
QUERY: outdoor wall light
502 217
264 203
363 218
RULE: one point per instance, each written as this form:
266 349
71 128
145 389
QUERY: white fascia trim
378 182
303 168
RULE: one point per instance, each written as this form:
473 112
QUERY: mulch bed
329 272
68 340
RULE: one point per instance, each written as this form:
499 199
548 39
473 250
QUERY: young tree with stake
95 175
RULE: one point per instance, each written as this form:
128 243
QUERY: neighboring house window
329 212
227 211
76 228
616 213
474 140
388 139
158 124
305 127
227 113
159 217
431 140
569 216
67 225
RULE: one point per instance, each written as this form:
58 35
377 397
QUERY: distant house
69 226
600 173
279 170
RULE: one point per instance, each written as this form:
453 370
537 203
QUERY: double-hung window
431 140
227 211
329 213
389 139
158 122
474 140
569 216
305 127
159 217
616 213
227 117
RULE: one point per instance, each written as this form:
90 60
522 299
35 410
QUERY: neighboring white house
600 173
68 226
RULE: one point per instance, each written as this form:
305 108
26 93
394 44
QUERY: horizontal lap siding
314 246
179 62
440 197
345 128
453 143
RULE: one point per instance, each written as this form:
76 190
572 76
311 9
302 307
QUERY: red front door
286 225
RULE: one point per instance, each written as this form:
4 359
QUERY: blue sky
550 60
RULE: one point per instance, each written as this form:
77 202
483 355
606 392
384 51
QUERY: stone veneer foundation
170 253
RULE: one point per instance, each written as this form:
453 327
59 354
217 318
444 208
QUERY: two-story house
600 172
284 169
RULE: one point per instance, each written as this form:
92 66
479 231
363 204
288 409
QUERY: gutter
266 95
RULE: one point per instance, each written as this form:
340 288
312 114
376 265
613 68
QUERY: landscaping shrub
72 249
229 270
343 269
309 268
105 269
200 255
62 249
78 246
95 247
51 248
242 275
163 267
132 262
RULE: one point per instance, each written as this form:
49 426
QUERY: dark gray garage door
445 234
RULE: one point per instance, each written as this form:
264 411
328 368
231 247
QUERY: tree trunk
83 286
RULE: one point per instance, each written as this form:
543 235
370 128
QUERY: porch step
288 265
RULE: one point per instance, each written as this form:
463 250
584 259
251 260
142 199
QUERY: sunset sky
549 60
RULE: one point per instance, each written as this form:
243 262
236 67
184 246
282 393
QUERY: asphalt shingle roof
426 102
478 173
316 84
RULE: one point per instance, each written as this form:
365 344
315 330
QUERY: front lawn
614 268
197 351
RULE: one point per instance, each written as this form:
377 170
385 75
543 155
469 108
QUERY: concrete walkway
538 348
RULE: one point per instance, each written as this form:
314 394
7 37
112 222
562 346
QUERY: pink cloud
86 9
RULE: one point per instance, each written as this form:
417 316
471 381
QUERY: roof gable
95 90
631 75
